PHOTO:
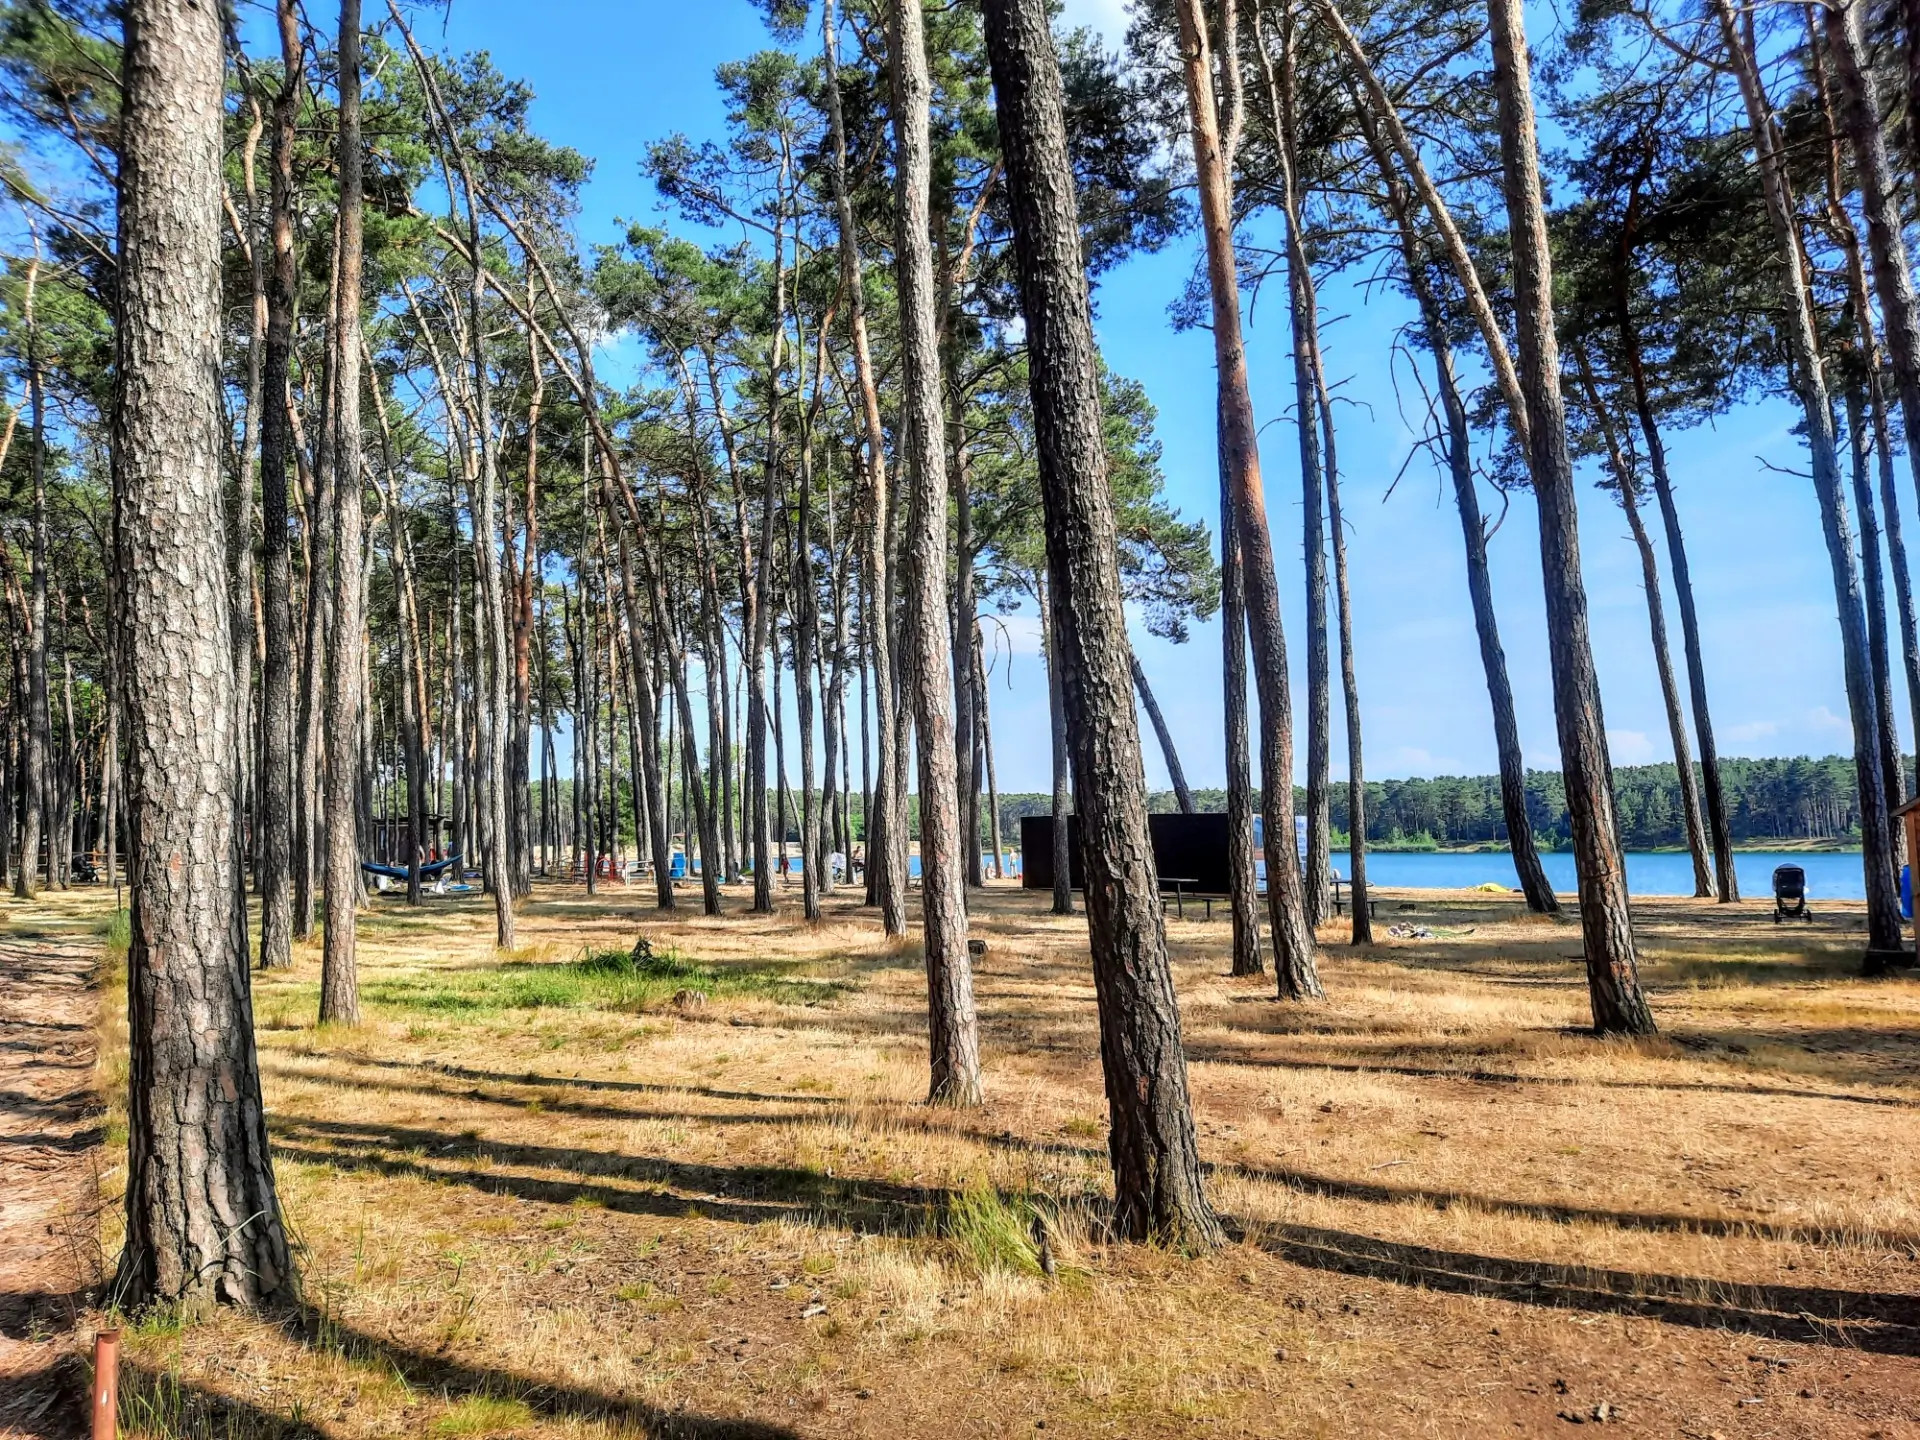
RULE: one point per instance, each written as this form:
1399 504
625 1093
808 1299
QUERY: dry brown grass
1460 1215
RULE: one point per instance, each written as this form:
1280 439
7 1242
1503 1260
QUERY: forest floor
547 1195
50 1137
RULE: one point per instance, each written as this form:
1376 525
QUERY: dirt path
49 1155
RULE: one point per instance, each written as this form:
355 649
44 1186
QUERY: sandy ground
49 1141
529 1205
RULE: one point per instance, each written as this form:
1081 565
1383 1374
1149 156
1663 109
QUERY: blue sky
610 77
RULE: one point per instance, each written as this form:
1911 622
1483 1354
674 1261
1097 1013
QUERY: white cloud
1413 760
1630 747
1748 731
1823 718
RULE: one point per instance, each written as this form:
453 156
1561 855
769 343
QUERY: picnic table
1340 887
1183 887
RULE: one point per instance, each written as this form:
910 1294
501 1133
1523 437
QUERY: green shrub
625 980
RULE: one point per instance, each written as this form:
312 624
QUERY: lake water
1829 876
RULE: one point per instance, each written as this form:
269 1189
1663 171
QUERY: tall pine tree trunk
983 713
1176 775
886 879
1896 554
1158 1188
309 778
1295 962
1886 245
806 635
1377 121
275 812
241 584
203 1220
1809 384
1613 982
1243 891
1057 728
1303 315
1874 578
1628 485
33 789
1350 695
339 973
953 1029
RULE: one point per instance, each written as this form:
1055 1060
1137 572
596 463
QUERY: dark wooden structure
1191 847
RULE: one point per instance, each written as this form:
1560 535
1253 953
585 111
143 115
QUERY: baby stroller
1790 894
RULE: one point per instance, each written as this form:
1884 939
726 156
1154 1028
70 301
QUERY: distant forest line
1797 799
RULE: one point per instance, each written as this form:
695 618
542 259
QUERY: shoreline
1773 847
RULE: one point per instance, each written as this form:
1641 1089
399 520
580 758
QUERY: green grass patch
116 939
485 1415
991 1231
619 980
157 1404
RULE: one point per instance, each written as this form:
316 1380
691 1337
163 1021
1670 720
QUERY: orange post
106 1385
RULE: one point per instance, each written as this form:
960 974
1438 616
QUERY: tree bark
1302 314
241 582
527 579
33 789
491 634
1158 1189
1727 883
275 811
1456 443
203 1219
1874 578
676 657
887 880
308 783
1175 774
1896 555
983 711
1243 897
1057 727
412 683
1295 963
953 1029
659 838
1629 488
1350 694
1809 385
339 973
1893 285
806 635
1613 981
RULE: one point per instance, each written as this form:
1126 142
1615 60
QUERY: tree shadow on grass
1880 1322
1205 1053
781 1182
456 1380
159 1402
1374 1193
746 1194
1887 1324
1877 1322
557 1104
46 1403
630 1087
